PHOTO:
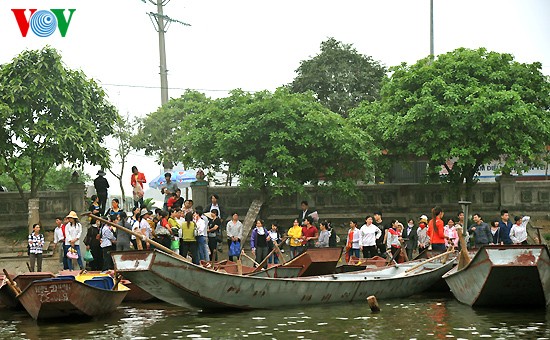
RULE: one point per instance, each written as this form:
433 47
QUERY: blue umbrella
183 178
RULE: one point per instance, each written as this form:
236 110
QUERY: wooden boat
504 276
279 271
3 285
317 261
7 296
357 264
65 296
181 283
135 294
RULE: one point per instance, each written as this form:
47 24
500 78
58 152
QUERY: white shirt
235 229
356 238
217 207
58 235
201 227
144 225
518 233
368 235
72 232
107 237
134 224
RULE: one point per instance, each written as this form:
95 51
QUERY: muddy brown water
418 317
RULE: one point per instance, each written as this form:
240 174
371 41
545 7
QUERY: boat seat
102 282
57 278
65 277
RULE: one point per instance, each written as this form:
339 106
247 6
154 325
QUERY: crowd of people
197 232
376 238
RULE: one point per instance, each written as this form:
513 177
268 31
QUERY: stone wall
400 201
15 213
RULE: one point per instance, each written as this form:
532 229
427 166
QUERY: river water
418 317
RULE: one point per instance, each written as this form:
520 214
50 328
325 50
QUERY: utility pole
432 54
162 53
161 23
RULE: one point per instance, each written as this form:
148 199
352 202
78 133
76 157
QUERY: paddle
391 257
138 236
116 280
404 246
248 257
463 257
12 284
239 266
428 261
275 248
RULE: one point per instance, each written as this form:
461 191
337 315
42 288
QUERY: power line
170 88
132 153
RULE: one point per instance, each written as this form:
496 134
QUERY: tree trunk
34 212
265 198
123 198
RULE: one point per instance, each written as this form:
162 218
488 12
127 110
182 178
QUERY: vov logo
43 23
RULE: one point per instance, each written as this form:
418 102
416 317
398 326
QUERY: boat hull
184 284
61 298
7 296
504 276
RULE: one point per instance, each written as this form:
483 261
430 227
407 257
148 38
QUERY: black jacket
101 185
412 241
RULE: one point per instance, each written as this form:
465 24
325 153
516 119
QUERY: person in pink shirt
451 235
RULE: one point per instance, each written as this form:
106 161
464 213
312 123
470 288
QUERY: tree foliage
50 115
57 178
465 109
340 77
277 142
157 132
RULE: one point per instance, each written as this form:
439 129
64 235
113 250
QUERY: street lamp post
465 205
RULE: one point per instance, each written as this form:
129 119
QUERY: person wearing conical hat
73 232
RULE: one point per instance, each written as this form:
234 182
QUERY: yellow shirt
295 234
188 232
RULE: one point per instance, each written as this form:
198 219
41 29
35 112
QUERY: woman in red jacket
137 180
436 230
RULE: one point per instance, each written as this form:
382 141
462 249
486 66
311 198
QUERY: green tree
157 132
277 142
50 115
469 107
340 77
123 133
57 178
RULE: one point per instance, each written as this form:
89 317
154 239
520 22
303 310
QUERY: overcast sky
258 44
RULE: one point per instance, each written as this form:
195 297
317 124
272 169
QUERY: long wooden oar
278 249
139 236
116 281
275 248
248 257
404 246
463 258
12 284
428 261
